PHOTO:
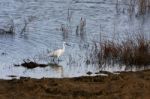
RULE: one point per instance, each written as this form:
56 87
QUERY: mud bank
127 85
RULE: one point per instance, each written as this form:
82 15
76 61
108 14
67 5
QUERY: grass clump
129 52
144 6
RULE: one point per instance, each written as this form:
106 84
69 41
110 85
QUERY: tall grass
144 6
129 52
140 7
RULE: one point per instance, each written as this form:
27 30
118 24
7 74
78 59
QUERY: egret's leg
58 59
53 59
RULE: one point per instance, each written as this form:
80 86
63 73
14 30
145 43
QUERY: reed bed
129 52
144 6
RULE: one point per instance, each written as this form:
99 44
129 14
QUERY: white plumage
57 53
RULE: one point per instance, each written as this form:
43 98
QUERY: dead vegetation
128 52
81 28
135 7
10 28
30 64
144 6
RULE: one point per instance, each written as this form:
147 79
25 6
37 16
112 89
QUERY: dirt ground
127 85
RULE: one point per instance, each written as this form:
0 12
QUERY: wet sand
127 85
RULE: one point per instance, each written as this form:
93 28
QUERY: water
45 18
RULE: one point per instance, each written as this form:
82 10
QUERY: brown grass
144 6
128 52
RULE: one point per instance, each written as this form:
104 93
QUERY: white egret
57 53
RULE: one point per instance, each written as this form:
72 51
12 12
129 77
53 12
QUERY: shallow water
45 18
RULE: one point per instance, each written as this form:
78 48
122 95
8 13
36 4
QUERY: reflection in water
58 69
65 31
81 22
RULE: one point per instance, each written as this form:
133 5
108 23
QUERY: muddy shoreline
127 85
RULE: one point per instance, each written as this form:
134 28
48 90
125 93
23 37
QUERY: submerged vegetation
134 51
90 52
9 29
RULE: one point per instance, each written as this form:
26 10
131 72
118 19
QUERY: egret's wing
54 53
50 53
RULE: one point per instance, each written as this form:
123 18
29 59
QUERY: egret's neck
63 46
